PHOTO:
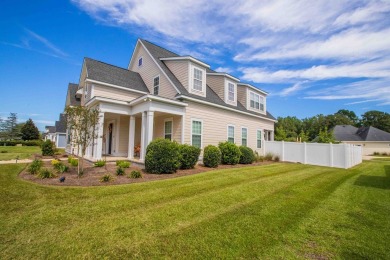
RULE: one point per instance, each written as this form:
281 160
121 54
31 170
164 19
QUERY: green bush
106 178
376 153
189 156
268 157
24 143
162 156
61 168
276 158
48 148
258 158
123 164
74 162
247 155
135 175
100 163
120 171
46 174
35 166
211 156
230 153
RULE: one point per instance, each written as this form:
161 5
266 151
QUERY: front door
110 129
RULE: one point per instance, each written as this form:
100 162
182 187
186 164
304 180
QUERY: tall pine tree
30 131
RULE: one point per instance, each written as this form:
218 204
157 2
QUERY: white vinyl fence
332 155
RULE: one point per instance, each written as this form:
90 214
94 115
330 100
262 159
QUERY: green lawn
275 211
11 152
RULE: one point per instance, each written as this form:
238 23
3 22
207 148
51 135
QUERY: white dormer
255 99
225 86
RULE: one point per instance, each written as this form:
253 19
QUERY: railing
331 155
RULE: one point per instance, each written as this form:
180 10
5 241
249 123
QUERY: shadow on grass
380 182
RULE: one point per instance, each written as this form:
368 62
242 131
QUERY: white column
149 133
99 141
182 128
282 152
143 128
130 153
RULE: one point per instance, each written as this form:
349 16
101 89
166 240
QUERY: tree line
317 128
10 129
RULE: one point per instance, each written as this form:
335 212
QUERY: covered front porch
126 128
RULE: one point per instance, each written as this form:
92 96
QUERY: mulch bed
92 175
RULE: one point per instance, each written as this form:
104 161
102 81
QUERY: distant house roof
159 53
365 134
114 75
50 128
60 126
71 99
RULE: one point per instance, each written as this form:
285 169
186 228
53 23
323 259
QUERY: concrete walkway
29 160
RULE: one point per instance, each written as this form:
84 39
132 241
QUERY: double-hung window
258 138
198 77
231 134
262 104
196 139
156 85
244 136
254 100
168 129
231 92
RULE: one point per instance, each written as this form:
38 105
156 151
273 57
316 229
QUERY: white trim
114 86
190 58
169 119
223 107
234 132
156 98
226 90
244 127
253 87
223 74
249 92
92 91
191 89
261 138
183 123
95 99
201 134
146 49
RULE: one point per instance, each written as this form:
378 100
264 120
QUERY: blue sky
312 56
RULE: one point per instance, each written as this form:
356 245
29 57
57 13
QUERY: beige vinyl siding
242 95
180 70
217 83
368 148
149 70
114 93
83 76
158 131
215 122
123 135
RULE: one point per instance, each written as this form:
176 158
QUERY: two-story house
164 95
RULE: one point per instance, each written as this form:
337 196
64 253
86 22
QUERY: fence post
331 154
346 156
304 153
282 151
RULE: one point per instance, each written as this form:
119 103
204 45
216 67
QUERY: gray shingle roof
158 52
71 99
50 128
114 75
366 133
61 124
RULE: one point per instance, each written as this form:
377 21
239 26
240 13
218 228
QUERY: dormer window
198 79
231 93
140 62
257 102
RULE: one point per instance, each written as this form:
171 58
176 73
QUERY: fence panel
332 155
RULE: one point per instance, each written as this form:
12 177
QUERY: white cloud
224 69
293 89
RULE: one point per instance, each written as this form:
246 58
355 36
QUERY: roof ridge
160 47
108 64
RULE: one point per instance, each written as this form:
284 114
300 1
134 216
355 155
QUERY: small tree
30 131
82 123
326 136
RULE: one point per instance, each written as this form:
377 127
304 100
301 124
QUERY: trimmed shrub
247 155
189 156
135 175
230 153
46 174
106 178
211 156
48 148
162 156
35 166
120 171
100 163
268 157
276 158
123 164
74 162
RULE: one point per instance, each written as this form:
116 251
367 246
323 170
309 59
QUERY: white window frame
234 133
142 61
227 100
262 101
261 139
165 133
86 91
195 71
201 131
246 128
158 89
191 72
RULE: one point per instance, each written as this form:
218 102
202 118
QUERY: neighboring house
164 95
49 133
370 138
60 132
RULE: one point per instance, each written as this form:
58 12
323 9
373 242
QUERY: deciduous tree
30 131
